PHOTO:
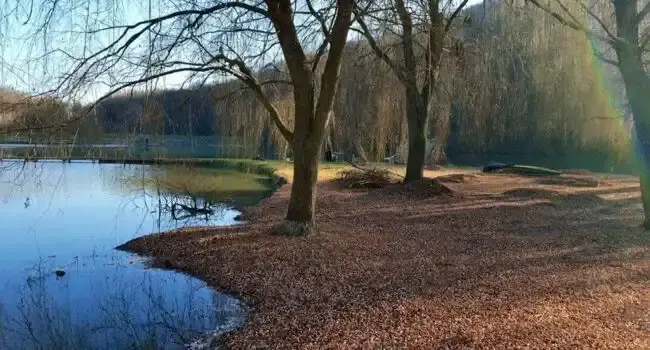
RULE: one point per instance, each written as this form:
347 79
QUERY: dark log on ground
526 170
496 166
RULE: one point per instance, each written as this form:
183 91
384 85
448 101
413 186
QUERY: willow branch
576 26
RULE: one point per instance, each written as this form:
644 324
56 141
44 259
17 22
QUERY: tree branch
574 25
245 87
454 15
321 49
645 40
432 52
602 57
365 31
599 20
643 13
273 112
331 73
281 15
410 65
246 75
319 18
99 56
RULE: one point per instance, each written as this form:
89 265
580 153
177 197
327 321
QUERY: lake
64 286
142 146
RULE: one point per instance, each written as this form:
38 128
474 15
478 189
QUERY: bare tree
623 25
202 40
419 29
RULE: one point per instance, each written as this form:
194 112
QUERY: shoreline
213 339
375 277
275 182
218 338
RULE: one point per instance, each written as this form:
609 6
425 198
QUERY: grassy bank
215 185
240 182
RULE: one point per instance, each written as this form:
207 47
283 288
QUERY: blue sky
22 47
22 65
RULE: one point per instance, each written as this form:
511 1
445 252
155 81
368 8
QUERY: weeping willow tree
523 85
369 113
623 28
243 124
534 86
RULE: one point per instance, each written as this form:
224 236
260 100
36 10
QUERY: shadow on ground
504 261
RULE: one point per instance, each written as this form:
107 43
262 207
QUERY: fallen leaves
491 267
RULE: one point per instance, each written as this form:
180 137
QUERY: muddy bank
495 265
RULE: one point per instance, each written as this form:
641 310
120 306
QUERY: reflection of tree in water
127 308
17 175
184 210
128 311
148 191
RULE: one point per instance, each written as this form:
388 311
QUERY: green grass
241 182
213 184
279 168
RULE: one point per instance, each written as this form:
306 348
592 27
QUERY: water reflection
172 210
63 285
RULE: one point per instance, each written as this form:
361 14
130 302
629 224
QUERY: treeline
521 85
175 112
43 118
524 87
536 88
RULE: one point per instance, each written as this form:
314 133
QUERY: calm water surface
67 219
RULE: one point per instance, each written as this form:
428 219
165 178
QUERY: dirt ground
503 262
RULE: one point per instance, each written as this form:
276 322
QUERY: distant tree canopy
524 85
178 112
43 117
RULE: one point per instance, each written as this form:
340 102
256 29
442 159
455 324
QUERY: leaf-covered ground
503 262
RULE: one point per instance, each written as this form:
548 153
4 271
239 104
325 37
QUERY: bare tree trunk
438 154
300 220
441 130
645 195
637 85
329 150
363 157
417 141
409 74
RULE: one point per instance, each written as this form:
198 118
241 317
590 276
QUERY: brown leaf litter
481 269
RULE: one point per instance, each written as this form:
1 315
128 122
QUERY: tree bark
637 85
645 195
641 111
438 154
312 110
417 141
363 157
300 219
442 112
329 150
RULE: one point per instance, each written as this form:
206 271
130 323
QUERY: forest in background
521 86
